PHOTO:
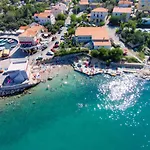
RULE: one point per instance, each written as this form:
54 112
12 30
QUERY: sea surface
79 113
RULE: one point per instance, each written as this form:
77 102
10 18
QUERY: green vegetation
104 54
60 22
131 59
63 52
13 16
141 55
116 20
132 36
102 23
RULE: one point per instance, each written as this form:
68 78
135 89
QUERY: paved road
19 55
51 43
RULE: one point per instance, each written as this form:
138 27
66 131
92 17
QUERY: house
61 6
98 14
31 34
44 17
66 2
96 36
18 73
125 3
84 4
120 11
144 5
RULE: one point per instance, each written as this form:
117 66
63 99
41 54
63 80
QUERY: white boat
2 44
47 87
11 41
2 48
13 46
5 40
1 40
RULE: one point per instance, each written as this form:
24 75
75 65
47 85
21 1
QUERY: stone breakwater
8 91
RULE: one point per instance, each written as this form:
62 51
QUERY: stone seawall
7 91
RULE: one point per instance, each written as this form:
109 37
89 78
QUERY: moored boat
13 46
2 44
1 40
2 48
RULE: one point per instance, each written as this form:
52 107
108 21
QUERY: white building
119 11
125 3
31 34
44 17
99 14
96 36
59 8
18 73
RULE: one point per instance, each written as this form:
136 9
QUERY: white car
50 53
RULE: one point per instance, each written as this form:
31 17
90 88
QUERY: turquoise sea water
101 113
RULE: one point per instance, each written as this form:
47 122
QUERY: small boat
50 78
2 44
5 40
1 40
47 87
113 74
2 48
11 41
13 46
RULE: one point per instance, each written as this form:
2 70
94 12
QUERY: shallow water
103 112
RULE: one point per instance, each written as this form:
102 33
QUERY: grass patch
130 59
141 56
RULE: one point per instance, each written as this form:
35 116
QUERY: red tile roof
122 10
100 9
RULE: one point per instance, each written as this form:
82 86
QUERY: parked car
54 38
49 53
57 42
56 46
39 58
62 38
53 50
59 32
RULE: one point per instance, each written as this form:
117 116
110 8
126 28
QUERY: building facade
31 36
44 17
98 14
120 11
96 36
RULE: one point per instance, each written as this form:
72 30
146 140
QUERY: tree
73 18
116 54
115 20
103 53
61 17
71 31
102 23
79 19
94 53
